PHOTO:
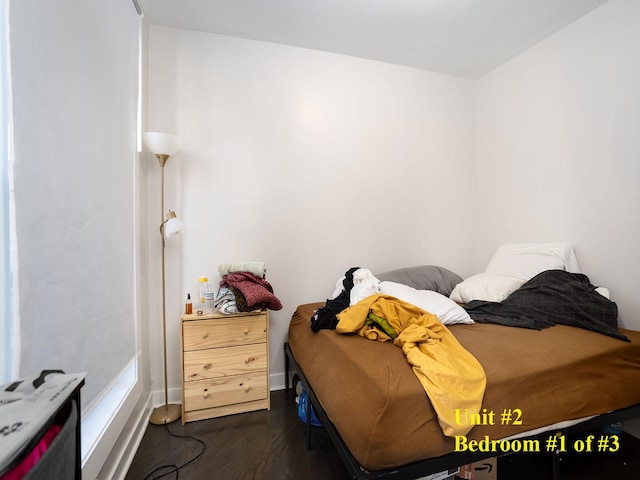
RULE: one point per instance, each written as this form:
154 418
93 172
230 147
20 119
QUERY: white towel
259 269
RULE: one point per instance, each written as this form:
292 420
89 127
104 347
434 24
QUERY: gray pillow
423 277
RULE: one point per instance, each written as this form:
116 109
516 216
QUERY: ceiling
466 38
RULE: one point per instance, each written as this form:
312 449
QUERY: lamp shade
174 227
162 143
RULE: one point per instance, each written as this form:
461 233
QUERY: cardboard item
486 469
467 472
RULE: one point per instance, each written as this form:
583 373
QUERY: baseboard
121 456
277 381
174 395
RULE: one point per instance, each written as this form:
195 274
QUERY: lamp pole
164 145
166 413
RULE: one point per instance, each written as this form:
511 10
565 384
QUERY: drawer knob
249 360
247 388
205 335
194 375
206 366
206 394
246 331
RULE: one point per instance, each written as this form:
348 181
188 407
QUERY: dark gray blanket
550 298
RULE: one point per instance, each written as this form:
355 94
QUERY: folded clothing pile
245 291
259 269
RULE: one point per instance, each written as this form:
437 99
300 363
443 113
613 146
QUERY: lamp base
166 414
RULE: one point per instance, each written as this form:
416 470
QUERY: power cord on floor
175 468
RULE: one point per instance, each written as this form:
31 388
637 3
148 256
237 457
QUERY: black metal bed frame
450 461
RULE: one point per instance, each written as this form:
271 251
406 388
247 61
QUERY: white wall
309 161
314 162
558 150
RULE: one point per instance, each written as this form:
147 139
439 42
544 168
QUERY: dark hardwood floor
257 445
271 445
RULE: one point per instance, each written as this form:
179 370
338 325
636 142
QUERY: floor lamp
163 145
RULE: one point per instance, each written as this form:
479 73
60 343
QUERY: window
75 85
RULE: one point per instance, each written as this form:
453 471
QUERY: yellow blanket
452 377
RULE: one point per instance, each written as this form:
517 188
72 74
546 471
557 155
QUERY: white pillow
447 311
485 286
526 260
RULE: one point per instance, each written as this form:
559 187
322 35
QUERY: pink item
28 463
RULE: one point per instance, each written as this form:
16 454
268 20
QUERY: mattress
534 379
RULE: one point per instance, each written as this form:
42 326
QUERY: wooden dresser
225 364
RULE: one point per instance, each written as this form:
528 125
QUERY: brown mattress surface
376 402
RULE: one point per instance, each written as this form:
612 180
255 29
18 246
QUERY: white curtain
75 91
6 324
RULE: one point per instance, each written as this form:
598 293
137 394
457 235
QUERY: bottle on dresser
188 307
207 295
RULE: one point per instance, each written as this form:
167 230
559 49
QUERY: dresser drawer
224 332
223 362
217 392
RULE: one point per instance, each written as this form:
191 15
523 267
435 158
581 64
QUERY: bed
539 383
